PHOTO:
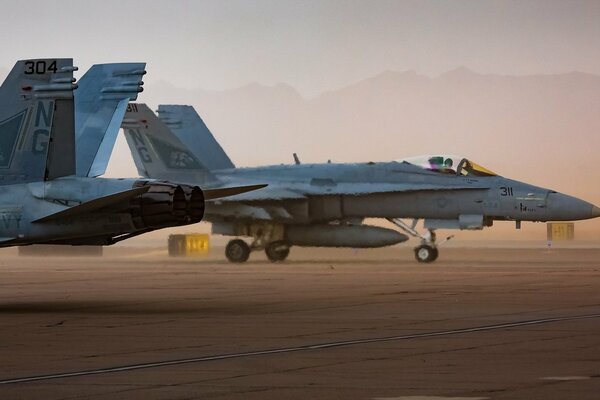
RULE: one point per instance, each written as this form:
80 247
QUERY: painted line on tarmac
309 347
566 378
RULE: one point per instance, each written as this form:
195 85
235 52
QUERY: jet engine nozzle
167 204
194 197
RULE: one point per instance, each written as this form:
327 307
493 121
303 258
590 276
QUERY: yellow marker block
196 244
557 231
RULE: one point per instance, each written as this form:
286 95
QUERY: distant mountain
541 128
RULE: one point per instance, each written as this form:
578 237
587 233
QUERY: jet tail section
189 127
94 205
157 152
100 104
37 121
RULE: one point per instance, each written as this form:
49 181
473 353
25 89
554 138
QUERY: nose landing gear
427 251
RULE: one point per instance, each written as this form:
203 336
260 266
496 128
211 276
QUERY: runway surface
134 324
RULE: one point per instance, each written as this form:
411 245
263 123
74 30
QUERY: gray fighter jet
325 204
43 201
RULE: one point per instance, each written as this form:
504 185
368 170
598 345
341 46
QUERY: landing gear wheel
237 251
426 253
277 251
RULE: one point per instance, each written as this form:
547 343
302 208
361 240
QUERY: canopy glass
445 164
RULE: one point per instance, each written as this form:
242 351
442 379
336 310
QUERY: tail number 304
39 67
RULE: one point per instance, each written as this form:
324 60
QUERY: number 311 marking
39 67
506 191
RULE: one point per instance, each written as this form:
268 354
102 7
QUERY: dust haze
512 85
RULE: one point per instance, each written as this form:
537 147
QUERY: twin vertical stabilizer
189 127
100 103
37 139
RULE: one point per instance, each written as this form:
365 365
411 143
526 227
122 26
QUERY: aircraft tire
277 251
237 251
436 253
426 253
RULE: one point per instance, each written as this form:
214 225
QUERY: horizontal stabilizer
94 205
210 194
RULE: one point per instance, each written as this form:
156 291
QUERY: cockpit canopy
445 164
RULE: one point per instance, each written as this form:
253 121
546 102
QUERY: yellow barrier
196 244
557 231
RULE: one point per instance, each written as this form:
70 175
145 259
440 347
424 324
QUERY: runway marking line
566 378
309 347
429 398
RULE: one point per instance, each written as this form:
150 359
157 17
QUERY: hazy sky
312 45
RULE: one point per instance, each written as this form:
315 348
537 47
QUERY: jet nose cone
563 207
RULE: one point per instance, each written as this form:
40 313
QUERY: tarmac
327 324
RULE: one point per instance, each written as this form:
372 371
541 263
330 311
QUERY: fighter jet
325 204
43 201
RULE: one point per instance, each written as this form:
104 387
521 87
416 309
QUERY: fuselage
403 190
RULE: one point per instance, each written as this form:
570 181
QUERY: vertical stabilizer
37 140
100 103
187 125
157 152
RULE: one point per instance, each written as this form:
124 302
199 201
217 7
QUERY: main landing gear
238 251
277 251
427 251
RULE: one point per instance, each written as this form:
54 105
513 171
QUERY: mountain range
544 129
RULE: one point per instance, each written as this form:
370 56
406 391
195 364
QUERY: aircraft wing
268 193
217 193
94 205
302 191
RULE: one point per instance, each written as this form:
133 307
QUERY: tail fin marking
189 127
36 132
157 152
